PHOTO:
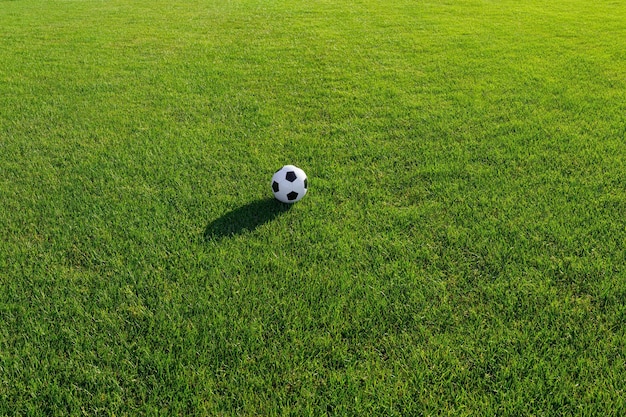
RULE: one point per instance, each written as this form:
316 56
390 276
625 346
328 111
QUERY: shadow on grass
245 218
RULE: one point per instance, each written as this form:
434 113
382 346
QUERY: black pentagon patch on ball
290 176
306 183
275 186
292 196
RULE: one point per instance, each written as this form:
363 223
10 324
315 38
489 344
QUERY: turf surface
461 250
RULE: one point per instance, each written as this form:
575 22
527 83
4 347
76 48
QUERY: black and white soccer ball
289 184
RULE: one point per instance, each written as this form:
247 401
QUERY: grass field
461 250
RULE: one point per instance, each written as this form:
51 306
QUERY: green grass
461 250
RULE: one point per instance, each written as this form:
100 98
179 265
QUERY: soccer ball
289 184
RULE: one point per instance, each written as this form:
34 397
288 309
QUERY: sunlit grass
460 250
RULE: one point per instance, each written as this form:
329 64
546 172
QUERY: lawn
461 250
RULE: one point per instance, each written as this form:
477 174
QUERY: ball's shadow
245 218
